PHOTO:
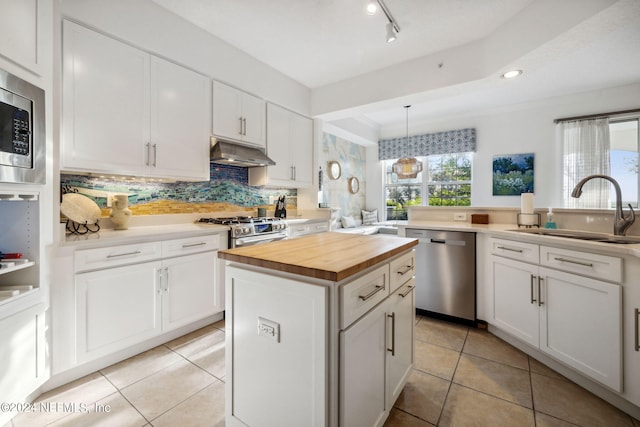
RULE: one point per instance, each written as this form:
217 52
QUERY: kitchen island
319 329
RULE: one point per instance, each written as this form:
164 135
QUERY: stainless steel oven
247 231
22 134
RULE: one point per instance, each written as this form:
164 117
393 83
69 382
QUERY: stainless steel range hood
230 153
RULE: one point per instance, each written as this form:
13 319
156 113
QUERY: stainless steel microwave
22 131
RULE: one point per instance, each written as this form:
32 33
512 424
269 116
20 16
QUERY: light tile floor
463 377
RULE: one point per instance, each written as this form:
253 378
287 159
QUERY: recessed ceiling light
511 74
372 7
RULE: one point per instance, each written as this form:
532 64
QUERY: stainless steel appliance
245 231
237 155
22 140
446 273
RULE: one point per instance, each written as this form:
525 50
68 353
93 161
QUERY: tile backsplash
227 191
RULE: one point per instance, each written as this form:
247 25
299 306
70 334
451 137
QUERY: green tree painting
513 174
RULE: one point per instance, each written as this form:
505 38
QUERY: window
624 160
447 183
606 146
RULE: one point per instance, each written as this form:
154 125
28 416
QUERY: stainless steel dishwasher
446 273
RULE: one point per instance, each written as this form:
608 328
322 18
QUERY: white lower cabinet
317 353
23 356
400 331
362 370
189 290
573 318
580 324
116 308
127 298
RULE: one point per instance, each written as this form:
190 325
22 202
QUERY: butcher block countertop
328 256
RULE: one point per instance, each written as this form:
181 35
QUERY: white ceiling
322 42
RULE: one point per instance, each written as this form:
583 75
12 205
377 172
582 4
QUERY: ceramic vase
120 213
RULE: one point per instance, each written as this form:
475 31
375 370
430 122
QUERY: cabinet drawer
361 295
177 247
593 265
113 256
526 252
319 227
403 268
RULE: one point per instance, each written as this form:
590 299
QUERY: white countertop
505 231
141 234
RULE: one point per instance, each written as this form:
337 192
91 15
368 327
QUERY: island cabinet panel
305 350
277 368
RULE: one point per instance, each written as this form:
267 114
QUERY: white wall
150 27
523 128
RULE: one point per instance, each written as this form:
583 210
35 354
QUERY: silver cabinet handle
636 313
166 279
155 155
191 245
540 279
532 297
124 254
377 289
393 334
406 270
159 281
244 126
409 289
148 145
585 264
504 248
241 126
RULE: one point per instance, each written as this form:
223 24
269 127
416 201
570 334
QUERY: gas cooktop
239 220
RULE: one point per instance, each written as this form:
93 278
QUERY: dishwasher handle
448 242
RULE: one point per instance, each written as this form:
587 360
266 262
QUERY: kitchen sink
581 235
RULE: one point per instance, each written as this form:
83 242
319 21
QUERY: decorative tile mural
352 159
227 191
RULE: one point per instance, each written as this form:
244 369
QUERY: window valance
453 141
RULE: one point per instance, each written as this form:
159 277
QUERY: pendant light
407 167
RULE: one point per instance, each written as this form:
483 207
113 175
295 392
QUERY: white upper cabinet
180 121
237 115
19 32
104 114
290 145
127 112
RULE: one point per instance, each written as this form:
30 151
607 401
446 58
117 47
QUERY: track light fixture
392 27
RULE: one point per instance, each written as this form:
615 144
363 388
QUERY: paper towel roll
526 203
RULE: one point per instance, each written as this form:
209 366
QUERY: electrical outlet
269 329
459 216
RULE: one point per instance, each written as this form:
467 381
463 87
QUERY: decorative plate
80 209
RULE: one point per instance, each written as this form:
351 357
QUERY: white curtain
586 149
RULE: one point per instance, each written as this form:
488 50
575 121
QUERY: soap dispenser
550 222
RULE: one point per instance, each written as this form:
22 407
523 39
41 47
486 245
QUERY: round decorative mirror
354 185
334 170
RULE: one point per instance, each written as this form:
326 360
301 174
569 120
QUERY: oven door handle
256 241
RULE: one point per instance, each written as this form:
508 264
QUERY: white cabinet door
400 330
515 289
237 115
302 150
631 328
105 93
23 355
189 289
19 32
116 308
180 121
278 135
581 324
227 112
362 370
253 116
290 146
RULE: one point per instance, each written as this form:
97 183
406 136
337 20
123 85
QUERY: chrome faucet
621 223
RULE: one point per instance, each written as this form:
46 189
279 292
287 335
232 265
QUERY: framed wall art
513 174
